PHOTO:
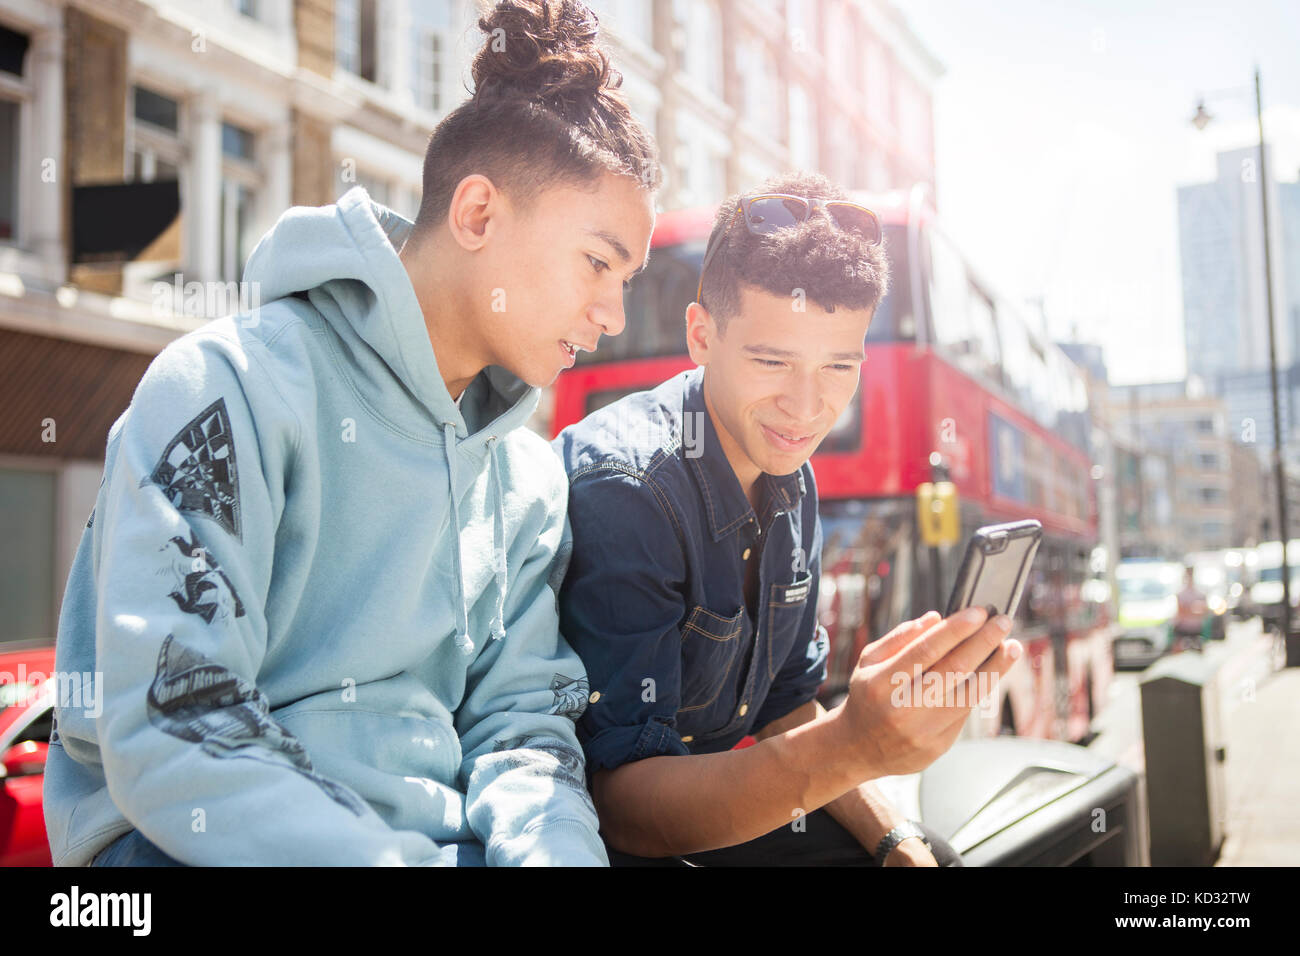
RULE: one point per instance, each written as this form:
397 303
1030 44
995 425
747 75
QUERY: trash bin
1012 801
1182 732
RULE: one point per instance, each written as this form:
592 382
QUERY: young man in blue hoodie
318 588
692 593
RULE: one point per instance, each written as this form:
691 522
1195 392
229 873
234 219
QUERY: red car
26 716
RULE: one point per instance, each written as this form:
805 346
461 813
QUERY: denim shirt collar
724 499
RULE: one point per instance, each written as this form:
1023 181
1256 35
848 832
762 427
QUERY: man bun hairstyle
547 109
835 267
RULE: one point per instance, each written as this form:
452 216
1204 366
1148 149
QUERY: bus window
655 306
962 316
846 434
893 320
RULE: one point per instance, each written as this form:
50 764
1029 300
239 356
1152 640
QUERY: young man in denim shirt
692 590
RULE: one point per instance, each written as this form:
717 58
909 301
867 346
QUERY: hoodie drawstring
498 540
463 640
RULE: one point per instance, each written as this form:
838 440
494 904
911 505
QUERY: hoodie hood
344 257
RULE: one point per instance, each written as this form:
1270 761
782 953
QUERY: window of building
629 19
241 180
156 109
963 316
760 82
156 152
803 128
14 92
842 39
356 37
801 19
430 56
154 137
27 526
698 37
431 33
10 116
13 51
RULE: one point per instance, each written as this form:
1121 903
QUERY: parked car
1217 576
27 698
1266 594
1148 604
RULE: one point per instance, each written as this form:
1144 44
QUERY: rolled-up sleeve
804 669
621 609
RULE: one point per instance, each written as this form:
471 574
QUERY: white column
277 194
203 216
46 203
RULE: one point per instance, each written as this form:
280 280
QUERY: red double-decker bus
952 368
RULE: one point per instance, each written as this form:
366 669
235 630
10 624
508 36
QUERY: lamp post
1200 120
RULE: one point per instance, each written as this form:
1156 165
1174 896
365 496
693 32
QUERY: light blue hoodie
320 599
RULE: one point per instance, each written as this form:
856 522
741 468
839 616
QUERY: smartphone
995 568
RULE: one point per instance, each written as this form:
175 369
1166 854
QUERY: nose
607 313
801 399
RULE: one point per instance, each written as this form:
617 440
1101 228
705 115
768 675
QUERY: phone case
995 567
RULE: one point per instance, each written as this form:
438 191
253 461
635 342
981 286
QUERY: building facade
1190 433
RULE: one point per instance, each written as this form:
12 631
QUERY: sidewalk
1262 735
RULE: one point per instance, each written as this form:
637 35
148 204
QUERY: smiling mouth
790 439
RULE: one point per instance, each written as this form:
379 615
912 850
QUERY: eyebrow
618 247
783 353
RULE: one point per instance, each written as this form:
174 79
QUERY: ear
474 205
701 333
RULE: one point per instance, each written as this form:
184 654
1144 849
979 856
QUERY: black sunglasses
768 212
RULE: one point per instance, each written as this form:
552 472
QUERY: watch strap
904 831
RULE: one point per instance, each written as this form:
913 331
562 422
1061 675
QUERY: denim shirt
654 598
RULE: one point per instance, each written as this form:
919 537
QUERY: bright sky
1062 133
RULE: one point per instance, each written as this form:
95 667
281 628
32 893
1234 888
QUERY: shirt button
595 696
688 738
744 709
744 555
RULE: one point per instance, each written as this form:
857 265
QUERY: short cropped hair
831 266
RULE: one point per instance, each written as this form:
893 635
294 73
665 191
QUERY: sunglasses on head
768 212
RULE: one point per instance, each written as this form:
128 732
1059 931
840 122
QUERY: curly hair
547 108
831 266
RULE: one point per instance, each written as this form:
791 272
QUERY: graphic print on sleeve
537 752
197 469
201 587
198 700
570 695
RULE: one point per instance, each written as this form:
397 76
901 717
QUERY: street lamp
1200 120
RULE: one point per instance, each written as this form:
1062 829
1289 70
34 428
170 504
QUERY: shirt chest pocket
711 646
786 605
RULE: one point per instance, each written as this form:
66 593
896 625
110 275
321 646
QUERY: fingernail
1014 650
1004 623
975 614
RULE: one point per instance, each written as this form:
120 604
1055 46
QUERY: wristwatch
905 830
